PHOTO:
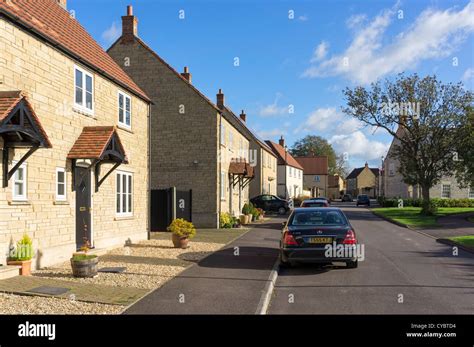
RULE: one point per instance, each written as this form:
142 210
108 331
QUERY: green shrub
435 202
24 250
182 228
225 220
247 209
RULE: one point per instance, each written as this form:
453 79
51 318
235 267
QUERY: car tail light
289 240
350 238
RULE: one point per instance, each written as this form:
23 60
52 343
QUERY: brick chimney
129 26
62 3
281 142
366 165
220 99
243 116
186 74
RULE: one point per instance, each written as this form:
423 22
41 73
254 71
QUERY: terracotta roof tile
239 167
315 165
279 151
92 142
56 25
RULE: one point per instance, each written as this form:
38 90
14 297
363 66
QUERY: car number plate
320 240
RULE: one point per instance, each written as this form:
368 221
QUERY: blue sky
298 55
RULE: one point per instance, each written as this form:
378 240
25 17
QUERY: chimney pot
186 74
281 142
366 164
129 10
243 116
220 99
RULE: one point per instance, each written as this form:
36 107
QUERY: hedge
437 202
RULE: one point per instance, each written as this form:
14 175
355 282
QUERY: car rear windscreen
313 204
309 218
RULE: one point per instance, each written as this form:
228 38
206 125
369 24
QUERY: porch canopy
96 146
240 172
19 128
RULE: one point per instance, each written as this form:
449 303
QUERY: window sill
60 202
84 112
120 218
125 128
19 203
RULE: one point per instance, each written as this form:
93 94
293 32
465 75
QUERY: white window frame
222 188
24 196
83 107
445 184
58 196
125 97
119 194
470 191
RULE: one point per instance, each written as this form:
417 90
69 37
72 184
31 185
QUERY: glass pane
60 176
19 174
127 118
129 191
89 100
118 183
118 203
61 189
130 203
88 84
78 79
78 95
124 195
18 189
120 115
127 104
120 101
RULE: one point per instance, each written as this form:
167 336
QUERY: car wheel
281 210
352 264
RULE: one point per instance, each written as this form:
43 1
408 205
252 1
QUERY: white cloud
303 18
358 145
111 34
468 74
330 120
355 20
320 52
273 109
434 34
271 133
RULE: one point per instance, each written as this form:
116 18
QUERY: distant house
315 174
394 187
196 144
336 185
289 172
364 180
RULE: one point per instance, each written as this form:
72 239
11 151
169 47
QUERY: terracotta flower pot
179 242
25 266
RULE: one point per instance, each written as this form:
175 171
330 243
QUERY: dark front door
83 206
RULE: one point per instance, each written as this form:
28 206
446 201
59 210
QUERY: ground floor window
471 193
446 191
60 184
19 183
124 194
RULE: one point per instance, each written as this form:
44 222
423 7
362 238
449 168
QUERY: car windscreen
320 217
313 204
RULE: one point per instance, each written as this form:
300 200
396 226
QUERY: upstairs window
125 110
446 191
84 90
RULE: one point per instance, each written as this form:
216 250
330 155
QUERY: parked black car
271 203
314 203
310 232
320 198
347 197
363 199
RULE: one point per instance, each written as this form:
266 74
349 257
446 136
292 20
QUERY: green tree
424 115
465 152
316 145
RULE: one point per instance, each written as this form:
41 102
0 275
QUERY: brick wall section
177 140
47 76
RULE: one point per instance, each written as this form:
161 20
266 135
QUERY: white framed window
470 194
20 183
125 110
60 184
124 194
83 90
222 185
446 191
223 134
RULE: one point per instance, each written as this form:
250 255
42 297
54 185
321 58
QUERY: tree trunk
427 207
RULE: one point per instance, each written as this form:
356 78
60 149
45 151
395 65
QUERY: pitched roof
47 19
149 49
9 100
92 142
279 151
356 172
314 165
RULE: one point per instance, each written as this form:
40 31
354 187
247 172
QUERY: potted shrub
22 255
182 231
247 212
84 265
261 213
